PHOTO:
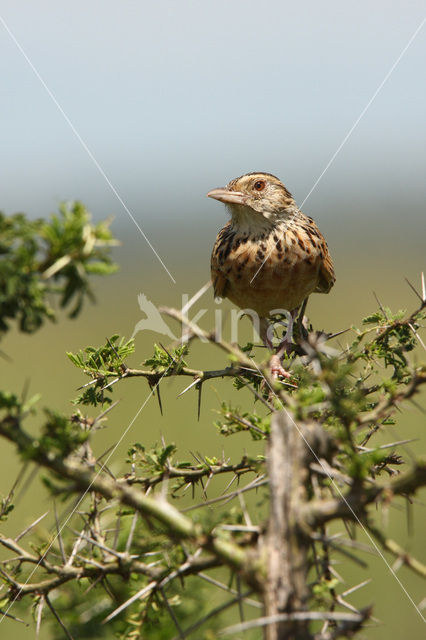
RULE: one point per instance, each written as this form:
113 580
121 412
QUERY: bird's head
256 194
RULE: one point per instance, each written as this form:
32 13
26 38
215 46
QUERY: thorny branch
338 402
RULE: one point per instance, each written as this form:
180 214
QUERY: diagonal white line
353 127
367 106
111 453
84 145
195 297
333 482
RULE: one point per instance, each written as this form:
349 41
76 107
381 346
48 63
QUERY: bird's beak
227 196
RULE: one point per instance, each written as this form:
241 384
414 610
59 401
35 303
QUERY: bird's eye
259 185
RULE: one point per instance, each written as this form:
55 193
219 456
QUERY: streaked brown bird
270 255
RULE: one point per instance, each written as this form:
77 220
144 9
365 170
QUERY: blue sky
174 98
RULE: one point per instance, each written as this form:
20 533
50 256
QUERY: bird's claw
277 369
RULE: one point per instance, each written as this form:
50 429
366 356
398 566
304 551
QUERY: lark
269 256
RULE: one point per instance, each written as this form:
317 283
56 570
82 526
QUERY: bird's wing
326 277
326 273
219 280
220 284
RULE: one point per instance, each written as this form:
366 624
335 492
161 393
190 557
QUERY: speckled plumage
269 239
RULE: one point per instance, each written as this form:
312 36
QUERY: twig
297 616
65 630
31 526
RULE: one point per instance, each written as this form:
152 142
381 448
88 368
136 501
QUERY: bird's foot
277 369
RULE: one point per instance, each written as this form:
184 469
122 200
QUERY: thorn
157 388
19 477
169 354
172 614
336 574
103 467
338 333
83 386
347 605
387 446
59 536
99 458
124 366
203 460
75 548
413 289
194 382
423 287
240 597
417 335
203 488
106 587
140 594
211 475
4 355
111 383
131 533
31 526
95 583
117 529
358 586
199 387
9 615
96 543
38 615
194 456
67 633
381 306
104 413
235 477
418 406
25 389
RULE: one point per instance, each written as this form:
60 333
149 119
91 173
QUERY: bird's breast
267 271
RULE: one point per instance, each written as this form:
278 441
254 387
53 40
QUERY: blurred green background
173 99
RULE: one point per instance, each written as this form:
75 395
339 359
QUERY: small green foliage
10 402
239 383
106 359
16 407
374 318
95 395
60 435
252 378
150 618
384 317
152 460
236 421
38 258
393 339
323 592
105 365
102 364
163 359
248 349
5 508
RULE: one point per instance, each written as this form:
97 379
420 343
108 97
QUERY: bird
269 255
